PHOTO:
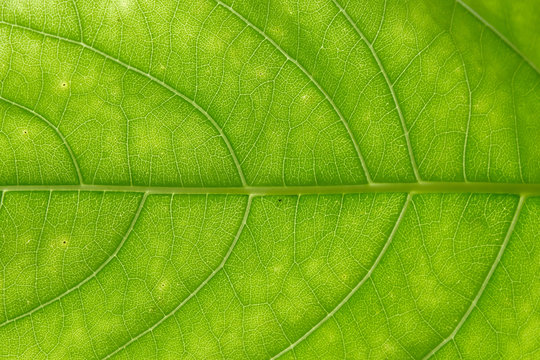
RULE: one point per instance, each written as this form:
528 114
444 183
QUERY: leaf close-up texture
263 179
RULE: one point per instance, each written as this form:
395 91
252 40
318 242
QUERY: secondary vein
486 280
358 286
91 276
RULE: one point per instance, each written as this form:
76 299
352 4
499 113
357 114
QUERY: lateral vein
486 280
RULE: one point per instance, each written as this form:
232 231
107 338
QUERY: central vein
422 187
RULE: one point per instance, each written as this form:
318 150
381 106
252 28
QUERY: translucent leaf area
262 179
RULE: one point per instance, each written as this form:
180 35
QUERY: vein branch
498 33
56 130
312 79
201 285
390 87
485 283
91 276
151 78
360 283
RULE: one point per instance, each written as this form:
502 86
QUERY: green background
258 179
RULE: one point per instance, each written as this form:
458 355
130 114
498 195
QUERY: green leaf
269 179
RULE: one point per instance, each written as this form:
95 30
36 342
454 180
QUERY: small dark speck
279 200
64 84
64 242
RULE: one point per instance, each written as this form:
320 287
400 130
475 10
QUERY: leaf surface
269 179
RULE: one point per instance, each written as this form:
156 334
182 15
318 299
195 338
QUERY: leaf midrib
415 188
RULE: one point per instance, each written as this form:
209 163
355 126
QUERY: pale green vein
418 188
485 283
39 239
91 276
499 34
79 23
360 283
201 285
56 130
516 122
390 87
4 267
469 100
312 79
151 78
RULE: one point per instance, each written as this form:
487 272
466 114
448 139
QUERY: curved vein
390 87
498 33
311 78
355 289
192 294
151 78
56 130
485 283
91 276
